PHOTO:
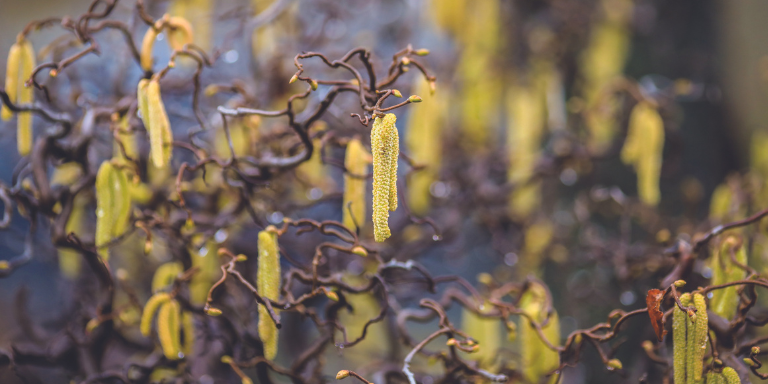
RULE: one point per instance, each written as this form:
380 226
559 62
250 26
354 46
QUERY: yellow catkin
165 275
697 340
70 260
209 272
730 375
385 150
12 73
147 44
679 340
150 308
423 140
526 125
600 64
724 301
715 378
537 358
112 205
179 33
160 136
356 162
486 331
478 71
168 329
643 150
198 13
25 96
188 325
268 285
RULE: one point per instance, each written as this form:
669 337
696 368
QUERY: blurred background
523 174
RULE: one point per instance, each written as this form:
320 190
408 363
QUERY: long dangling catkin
113 205
168 329
160 136
698 346
150 308
679 335
484 330
724 301
12 71
268 285
643 150
356 162
126 138
537 358
147 44
730 375
423 140
385 150
26 96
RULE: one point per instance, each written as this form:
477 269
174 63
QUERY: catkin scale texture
679 344
268 285
356 162
385 150
698 346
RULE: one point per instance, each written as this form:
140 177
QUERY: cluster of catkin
385 149
172 322
537 358
21 62
690 333
268 285
643 150
179 32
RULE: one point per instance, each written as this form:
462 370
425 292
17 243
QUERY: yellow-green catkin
168 329
537 358
724 301
150 308
70 260
160 135
268 285
697 339
209 272
147 45
21 62
643 150
165 275
730 375
385 148
356 163
113 205
423 140
679 340
600 64
197 13
486 331
715 378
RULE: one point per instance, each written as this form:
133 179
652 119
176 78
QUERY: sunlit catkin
268 285
385 150
150 308
168 329
160 136
21 62
724 301
643 150
424 142
537 358
697 339
679 340
112 205
165 275
356 162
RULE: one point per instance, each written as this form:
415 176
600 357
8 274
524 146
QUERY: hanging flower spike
385 150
